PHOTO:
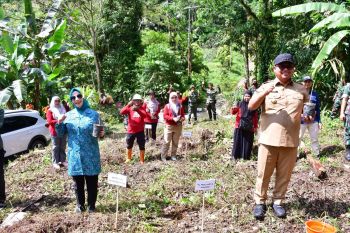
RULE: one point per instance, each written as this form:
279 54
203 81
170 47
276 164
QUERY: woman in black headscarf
245 126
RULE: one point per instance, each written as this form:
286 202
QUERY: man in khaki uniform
282 103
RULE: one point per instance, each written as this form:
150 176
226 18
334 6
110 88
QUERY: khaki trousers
172 135
270 158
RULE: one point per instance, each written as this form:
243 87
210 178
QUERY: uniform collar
277 82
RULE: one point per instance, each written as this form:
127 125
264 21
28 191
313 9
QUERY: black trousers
192 109
79 186
151 133
140 138
2 177
211 110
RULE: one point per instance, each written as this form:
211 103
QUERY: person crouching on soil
136 126
84 163
152 107
174 115
245 126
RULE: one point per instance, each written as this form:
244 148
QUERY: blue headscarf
85 102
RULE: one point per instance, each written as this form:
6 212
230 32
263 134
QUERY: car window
16 123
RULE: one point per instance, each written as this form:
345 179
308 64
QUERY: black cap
284 57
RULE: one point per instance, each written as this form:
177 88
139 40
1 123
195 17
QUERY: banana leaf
19 90
328 47
6 42
312 6
341 23
48 26
5 95
330 19
57 38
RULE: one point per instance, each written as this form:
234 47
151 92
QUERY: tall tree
121 45
87 22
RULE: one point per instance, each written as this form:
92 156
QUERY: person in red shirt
136 125
245 126
183 100
152 107
55 111
174 115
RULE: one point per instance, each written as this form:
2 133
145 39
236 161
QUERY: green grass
219 75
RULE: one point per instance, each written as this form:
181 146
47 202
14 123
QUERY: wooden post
116 211
203 214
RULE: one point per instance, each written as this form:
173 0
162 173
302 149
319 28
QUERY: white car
23 130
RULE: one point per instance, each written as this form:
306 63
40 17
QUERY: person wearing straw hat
282 102
84 163
314 125
136 126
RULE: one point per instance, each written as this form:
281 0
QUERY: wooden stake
116 211
203 214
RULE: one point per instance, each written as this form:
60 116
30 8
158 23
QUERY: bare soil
161 196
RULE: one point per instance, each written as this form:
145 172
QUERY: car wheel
37 144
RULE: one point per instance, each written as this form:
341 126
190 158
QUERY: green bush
157 69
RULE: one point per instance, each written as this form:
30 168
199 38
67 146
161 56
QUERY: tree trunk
189 57
98 71
36 98
246 58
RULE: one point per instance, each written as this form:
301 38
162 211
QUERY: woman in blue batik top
84 163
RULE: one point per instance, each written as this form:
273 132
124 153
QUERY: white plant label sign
205 185
187 134
117 179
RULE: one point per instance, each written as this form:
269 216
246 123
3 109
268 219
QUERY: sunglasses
57 100
288 66
174 97
79 96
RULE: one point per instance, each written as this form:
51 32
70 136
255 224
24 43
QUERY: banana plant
337 17
33 57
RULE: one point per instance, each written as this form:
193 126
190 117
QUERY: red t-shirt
149 118
183 100
136 118
52 122
168 114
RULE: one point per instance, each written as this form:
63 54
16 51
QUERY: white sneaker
56 166
173 158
